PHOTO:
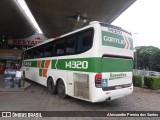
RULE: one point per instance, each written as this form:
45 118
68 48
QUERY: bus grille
81 86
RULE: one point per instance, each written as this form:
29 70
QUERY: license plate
118 87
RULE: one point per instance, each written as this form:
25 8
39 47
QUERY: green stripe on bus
95 64
117 65
53 64
40 72
78 64
42 64
30 63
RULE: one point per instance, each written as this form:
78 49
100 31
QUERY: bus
94 63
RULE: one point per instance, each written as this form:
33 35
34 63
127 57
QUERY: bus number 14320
77 64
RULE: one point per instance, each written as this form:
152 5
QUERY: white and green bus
93 63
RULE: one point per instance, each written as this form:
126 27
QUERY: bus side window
60 51
70 45
34 53
48 50
85 40
40 52
54 49
28 54
60 47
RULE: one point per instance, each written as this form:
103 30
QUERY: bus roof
90 25
116 27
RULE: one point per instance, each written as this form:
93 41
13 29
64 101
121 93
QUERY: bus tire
61 89
51 87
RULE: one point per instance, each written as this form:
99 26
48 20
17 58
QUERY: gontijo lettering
115 40
28 63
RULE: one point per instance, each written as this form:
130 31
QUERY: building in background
11 49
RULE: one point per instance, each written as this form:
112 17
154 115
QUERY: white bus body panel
93 94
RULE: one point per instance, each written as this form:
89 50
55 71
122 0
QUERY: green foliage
152 82
155 61
143 55
137 80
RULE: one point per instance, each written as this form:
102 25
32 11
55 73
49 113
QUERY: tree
142 56
155 61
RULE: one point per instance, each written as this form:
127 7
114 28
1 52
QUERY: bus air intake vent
81 86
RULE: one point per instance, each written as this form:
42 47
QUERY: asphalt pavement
37 98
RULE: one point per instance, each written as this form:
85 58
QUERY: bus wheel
51 87
61 89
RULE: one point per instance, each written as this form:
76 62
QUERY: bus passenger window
60 47
40 52
48 50
85 40
34 53
60 51
28 54
70 45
